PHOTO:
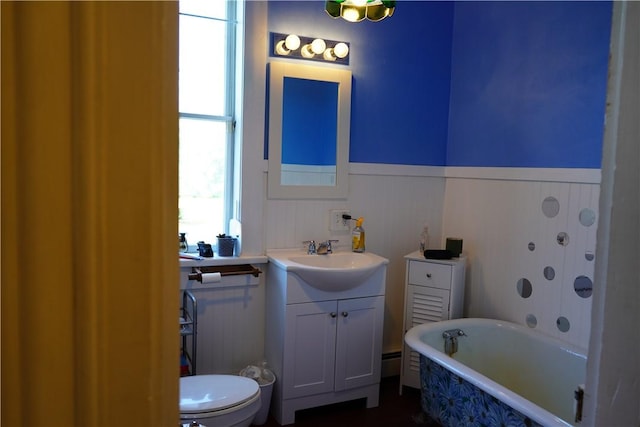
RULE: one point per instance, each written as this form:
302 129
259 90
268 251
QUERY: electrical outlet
336 222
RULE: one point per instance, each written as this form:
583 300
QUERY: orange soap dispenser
357 236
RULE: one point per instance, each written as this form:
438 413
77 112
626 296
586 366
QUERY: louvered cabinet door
424 305
434 291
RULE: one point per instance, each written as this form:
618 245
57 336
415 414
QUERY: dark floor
394 411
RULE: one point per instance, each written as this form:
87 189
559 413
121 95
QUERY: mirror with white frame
309 127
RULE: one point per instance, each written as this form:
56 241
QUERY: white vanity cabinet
434 291
324 347
329 345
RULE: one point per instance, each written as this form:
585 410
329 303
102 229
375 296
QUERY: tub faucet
324 248
451 340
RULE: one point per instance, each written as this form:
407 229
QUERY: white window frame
233 103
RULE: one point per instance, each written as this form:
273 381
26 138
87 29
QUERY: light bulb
352 14
281 49
328 55
306 51
318 46
341 50
292 42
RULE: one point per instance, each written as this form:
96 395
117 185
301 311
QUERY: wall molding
573 175
397 170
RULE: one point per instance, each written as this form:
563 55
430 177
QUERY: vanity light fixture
357 10
317 49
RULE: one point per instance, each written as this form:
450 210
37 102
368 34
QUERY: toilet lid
205 393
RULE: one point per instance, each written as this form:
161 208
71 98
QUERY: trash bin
265 379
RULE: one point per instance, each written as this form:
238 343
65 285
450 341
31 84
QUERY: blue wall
400 92
528 84
514 84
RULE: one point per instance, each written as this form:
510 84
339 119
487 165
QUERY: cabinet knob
332 314
428 275
345 314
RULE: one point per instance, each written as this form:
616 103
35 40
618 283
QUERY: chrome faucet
451 340
311 248
324 248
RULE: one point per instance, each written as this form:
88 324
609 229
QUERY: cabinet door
309 348
359 342
424 305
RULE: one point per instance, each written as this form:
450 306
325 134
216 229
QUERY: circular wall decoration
562 238
531 320
549 273
587 217
524 288
589 256
563 324
550 207
583 286
531 246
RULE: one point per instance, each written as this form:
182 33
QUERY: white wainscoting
230 325
492 209
498 218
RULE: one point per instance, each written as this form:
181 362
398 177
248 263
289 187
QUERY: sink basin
339 271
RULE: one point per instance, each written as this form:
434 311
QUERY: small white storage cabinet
434 291
324 347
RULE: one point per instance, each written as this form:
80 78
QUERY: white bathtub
531 373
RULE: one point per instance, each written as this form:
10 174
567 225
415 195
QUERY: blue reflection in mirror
309 126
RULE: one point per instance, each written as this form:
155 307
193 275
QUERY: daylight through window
207 69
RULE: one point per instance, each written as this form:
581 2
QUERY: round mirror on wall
524 288
583 286
549 273
532 321
587 217
563 324
550 207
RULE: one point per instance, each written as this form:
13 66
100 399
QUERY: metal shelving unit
188 333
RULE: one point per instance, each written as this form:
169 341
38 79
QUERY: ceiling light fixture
357 10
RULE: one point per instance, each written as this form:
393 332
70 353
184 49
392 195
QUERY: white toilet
219 400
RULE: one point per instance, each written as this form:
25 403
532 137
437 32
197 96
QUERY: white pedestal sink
334 272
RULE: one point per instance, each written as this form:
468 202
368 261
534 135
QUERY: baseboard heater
391 364
392 355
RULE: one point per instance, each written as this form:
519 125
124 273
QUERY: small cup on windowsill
226 245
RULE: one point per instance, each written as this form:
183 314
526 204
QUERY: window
207 119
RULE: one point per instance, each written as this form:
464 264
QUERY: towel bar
224 270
